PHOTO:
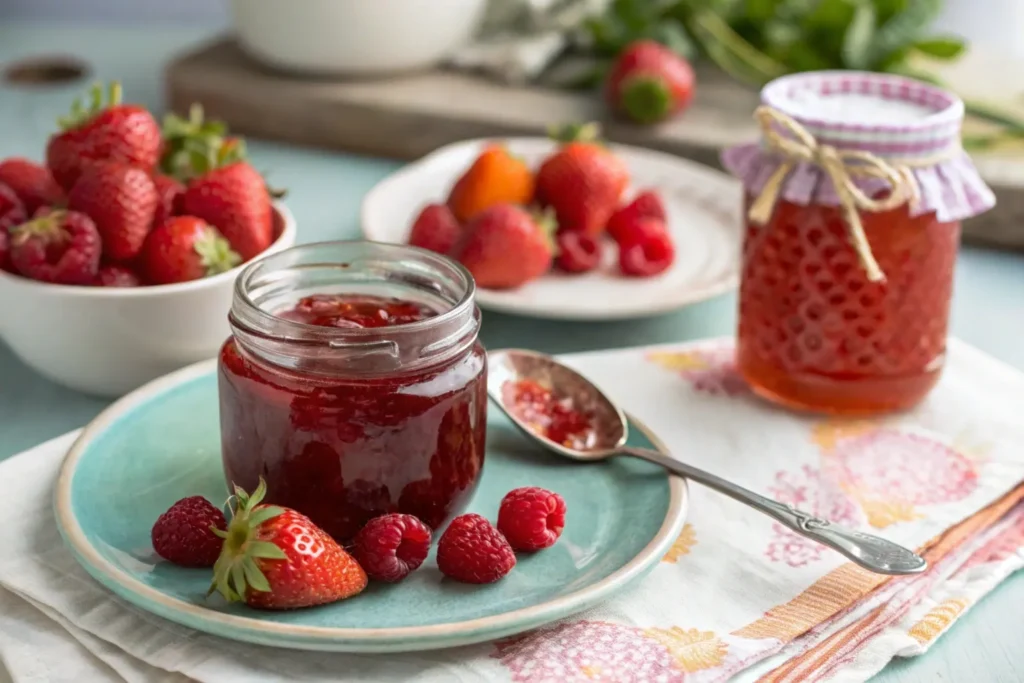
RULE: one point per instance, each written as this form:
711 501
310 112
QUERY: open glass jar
354 384
854 198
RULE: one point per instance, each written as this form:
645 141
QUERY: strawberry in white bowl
114 271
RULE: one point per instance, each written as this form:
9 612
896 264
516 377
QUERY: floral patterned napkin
737 596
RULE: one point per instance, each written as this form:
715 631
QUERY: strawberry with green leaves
275 558
185 248
225 191
582 181
649 83
103 130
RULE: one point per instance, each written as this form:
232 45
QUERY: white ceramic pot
109 341
357 37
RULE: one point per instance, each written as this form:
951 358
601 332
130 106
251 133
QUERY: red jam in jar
815 333
854 198
354 384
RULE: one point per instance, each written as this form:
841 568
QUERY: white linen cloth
736 597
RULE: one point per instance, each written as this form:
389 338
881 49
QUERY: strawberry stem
646 99
576 132
215 253
237 570
81 114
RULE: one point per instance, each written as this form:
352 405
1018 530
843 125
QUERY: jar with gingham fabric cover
854 198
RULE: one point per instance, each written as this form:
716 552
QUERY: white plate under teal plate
703 207
162 443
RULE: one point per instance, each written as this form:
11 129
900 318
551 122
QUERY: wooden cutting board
405 117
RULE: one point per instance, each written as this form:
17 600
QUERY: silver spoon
511 365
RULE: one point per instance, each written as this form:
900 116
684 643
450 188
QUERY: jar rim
355 266
273 262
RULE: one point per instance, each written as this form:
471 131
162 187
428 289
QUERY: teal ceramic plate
162 443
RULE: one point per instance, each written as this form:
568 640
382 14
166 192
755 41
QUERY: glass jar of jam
854 199
354 384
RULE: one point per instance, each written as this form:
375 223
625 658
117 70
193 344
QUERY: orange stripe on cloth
798 668
847 584
822 600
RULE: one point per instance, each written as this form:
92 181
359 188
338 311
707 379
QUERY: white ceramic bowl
109 341
356 37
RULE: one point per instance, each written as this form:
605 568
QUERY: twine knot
843 167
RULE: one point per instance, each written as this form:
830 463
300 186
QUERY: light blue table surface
325 189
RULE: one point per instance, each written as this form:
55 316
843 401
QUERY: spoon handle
871 552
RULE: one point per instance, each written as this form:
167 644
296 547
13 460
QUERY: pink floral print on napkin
812 491
602 652
892 473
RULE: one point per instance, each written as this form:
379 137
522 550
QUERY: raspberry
471 550
531 518
436 229
646 205
184 534
62 247
116 276
577 252
391 546
649 253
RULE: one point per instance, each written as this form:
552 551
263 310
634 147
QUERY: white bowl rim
284 240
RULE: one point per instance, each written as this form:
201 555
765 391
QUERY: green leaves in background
757 40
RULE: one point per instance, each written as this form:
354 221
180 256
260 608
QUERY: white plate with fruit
637 232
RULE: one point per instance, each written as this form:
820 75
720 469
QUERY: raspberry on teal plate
124 472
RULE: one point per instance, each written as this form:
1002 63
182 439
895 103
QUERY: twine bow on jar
783 135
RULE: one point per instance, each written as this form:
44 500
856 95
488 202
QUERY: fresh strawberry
578 252
184 534
121 200
276 558
168 192
647 204
471 550
116 276
495 177
230 194
185 248
649 83
506 247
104 131
391 546
62 247
436 229
32 182
650 250
582 181
531 518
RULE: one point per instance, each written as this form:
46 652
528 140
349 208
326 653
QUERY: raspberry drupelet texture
184 534
531 518
391 546
471 550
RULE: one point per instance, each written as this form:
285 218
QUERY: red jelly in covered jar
854 198
354 384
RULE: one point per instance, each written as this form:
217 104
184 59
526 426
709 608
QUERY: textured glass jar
348 424
854 199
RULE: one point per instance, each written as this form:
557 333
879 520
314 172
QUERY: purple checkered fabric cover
951 188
